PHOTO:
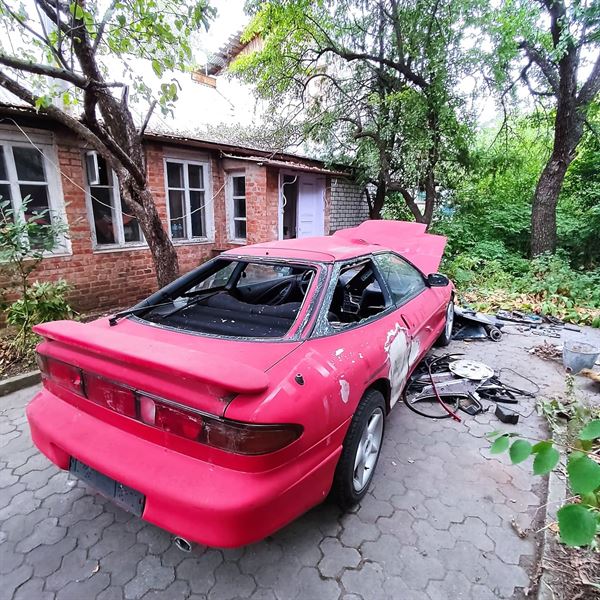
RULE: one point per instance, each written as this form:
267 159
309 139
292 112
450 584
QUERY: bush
45 301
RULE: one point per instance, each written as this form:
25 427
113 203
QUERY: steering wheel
283 294
304 282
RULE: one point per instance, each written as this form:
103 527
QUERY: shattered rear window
238 298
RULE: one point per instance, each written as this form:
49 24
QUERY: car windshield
237 298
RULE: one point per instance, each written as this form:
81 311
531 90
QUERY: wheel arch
383 386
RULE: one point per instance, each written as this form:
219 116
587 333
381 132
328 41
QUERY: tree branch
60 116
591 87
545 66
47 70
105 19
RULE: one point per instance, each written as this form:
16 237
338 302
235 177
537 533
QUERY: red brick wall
104 279
109 278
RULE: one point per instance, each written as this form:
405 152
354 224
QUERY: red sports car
236 398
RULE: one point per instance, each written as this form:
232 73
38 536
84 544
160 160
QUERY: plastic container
578 356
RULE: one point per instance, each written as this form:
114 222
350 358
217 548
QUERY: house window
237 207
112 225
186 194
28 182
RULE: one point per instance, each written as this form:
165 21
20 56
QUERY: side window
357 295
403 280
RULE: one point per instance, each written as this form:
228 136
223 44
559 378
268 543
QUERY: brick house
211 197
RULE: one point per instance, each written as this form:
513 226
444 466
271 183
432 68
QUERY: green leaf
590 499
519 451
493 434
584 474
577 525
591 431
545 460
500 445
541 446
157 67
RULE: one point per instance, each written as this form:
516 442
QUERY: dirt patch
573 571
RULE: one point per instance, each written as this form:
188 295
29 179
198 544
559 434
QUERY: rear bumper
199 501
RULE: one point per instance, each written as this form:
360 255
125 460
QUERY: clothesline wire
63 174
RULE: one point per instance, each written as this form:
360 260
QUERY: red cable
439 398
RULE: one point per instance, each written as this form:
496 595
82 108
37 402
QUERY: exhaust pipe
183 544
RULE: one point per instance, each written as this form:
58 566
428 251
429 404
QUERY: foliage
375 83
159 31
486 219
86 54
25 238
579 523
45 301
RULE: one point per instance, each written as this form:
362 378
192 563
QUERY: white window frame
230 210
208 200
117 215
44 142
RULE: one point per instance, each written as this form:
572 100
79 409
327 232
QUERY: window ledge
192 242
238 242
108 249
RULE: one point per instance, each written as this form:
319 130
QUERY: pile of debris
441 386
472 325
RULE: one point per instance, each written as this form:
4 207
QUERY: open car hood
424 250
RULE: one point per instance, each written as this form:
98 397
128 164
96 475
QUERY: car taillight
230 436
110 395
63 374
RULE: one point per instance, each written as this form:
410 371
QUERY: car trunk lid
201 372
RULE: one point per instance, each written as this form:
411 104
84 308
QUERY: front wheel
361 450
446 335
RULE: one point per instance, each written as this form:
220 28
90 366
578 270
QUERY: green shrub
45 301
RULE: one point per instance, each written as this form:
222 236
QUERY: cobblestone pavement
436 523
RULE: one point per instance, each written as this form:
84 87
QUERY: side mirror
437 280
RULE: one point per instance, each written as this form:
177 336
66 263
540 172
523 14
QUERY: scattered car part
475 322
471 369
506 415
516 316
469 331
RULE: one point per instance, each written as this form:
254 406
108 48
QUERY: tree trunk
164 256
430 198
568 129
412 205
378 200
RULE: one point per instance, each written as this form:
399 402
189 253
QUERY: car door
419 306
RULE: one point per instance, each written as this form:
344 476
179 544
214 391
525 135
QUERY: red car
236 398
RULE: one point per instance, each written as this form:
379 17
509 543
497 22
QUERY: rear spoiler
168 359
409 239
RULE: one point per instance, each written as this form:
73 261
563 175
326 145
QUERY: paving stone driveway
435 525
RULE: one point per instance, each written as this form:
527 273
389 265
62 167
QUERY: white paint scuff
344 390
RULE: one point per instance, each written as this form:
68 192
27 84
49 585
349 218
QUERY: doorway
302 205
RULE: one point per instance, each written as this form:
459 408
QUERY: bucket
578 356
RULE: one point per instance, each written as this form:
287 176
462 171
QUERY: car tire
446 335
354 472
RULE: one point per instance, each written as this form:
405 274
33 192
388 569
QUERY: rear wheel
446 336
361 450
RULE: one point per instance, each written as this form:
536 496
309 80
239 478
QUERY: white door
311 206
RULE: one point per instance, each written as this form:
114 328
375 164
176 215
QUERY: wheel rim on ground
368 450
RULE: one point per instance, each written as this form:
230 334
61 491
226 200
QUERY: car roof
408 239
320 249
